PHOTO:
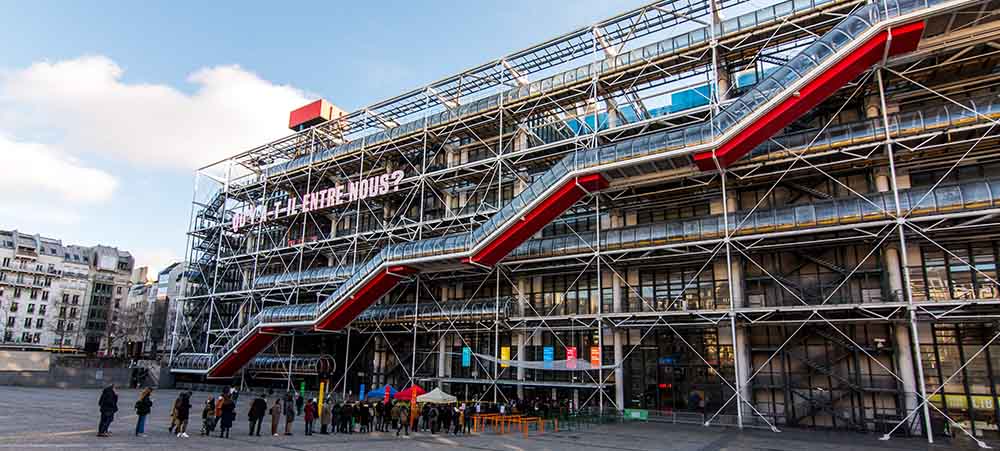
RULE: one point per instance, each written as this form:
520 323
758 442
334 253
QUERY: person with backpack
142 408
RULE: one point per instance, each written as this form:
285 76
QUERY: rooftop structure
779 219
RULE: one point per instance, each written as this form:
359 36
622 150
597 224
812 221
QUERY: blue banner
548 355
466 357
361 393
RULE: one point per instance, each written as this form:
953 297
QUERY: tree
133 325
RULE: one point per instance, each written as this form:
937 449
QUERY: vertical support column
722 80
442 359
738 333
741 345
619 370
902 341
904 263
519 337
378 366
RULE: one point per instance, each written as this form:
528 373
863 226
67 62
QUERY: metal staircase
864 37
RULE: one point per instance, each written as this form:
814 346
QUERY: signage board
339 194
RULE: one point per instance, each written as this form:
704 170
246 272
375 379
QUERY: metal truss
461 171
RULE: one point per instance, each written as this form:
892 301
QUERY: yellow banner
504 355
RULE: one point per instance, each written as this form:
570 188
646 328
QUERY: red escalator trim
370 292
904 39
534 220
253 345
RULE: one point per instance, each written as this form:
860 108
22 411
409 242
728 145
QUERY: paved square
67 419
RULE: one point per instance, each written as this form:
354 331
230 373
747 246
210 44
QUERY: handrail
733 118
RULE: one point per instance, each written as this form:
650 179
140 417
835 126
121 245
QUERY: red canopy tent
410 393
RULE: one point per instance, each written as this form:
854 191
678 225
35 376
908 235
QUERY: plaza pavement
32 418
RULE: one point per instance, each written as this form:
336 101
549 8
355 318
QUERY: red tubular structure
900 40
370 292
258 340
534 220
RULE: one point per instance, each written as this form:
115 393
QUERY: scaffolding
781 219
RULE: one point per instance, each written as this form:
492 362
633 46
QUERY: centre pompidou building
776 217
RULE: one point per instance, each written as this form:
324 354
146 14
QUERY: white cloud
86 101
39 172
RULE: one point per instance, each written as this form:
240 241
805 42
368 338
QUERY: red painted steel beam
257 341
534 220
904 39
370 292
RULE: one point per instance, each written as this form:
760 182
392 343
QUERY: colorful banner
571 357
466 357
362 393
504 355
387 388
595 356
548 355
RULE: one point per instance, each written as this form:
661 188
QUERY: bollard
555 424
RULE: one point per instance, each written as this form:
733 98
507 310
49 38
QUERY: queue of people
219 412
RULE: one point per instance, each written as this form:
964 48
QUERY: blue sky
106 108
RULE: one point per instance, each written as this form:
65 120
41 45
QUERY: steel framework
820 280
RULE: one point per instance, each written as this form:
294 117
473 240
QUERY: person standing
228 414
275 416
289 414
108 404
403 415
258 408
325 417
208 417
310 416
183 413
218 410
142 408
335 420
173 416
299 403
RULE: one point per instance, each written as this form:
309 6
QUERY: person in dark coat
364 418
258 408
183 413
289 414
335 421
108 405
142 408
299 403
228 414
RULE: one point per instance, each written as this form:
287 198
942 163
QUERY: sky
107 108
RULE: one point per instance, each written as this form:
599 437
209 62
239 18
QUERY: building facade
784 218
48 291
